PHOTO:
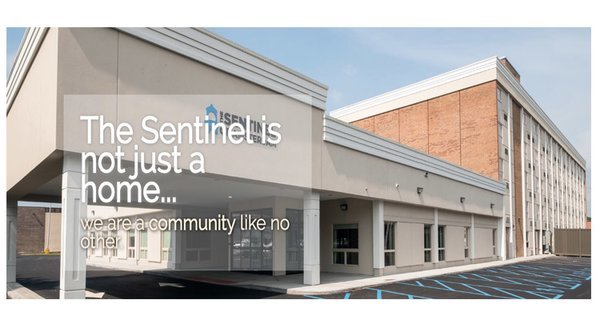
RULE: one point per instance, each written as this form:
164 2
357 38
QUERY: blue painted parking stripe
313 297
456 291
589 278
575 286
441 283
501 289
482 277
540 283
511 281
540 295
346 296
379 294
409 296
504 271
477 290
419 283
553 290
505 292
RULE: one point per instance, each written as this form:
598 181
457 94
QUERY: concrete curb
340 287
16 291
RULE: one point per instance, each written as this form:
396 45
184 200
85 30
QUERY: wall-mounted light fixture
491 205
462 200
419 190
344 206
426 174
397 186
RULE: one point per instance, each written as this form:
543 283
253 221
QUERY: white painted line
93 295
170 284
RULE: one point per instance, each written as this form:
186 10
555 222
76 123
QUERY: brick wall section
412 120
479 129
444 127
460 127
30 229
366 124
386 125
518 180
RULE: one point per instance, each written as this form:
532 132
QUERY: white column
279 242
72 256
525 219
311 238
472 239
501 239
378 241
511 169
434 237
11 241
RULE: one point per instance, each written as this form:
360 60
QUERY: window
104 248
389 252
441 243
115 251
131 243
144 244
466 241
494 252
166 245
427 243
345 244
505 117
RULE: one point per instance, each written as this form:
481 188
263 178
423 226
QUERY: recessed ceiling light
230 197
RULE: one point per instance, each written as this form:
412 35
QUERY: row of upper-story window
545 150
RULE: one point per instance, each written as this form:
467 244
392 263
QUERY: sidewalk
331 283
14 290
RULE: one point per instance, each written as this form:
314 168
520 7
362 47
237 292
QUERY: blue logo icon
212 116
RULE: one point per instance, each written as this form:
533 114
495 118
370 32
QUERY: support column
312 271
472 239
501 239
434 238
378 241
540 246
279 242
11 241
72 256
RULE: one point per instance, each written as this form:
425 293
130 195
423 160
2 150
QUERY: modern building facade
481 118
358 202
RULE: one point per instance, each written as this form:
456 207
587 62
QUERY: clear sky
555 64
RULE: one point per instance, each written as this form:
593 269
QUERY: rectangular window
345 244
466 241
131 243
441 243
494 252
144 244
427 243
166 245
104 248
115 251
389 244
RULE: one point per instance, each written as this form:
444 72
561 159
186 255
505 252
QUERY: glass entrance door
252 250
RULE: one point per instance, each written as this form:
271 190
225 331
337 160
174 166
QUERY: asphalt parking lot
549 278
41 275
